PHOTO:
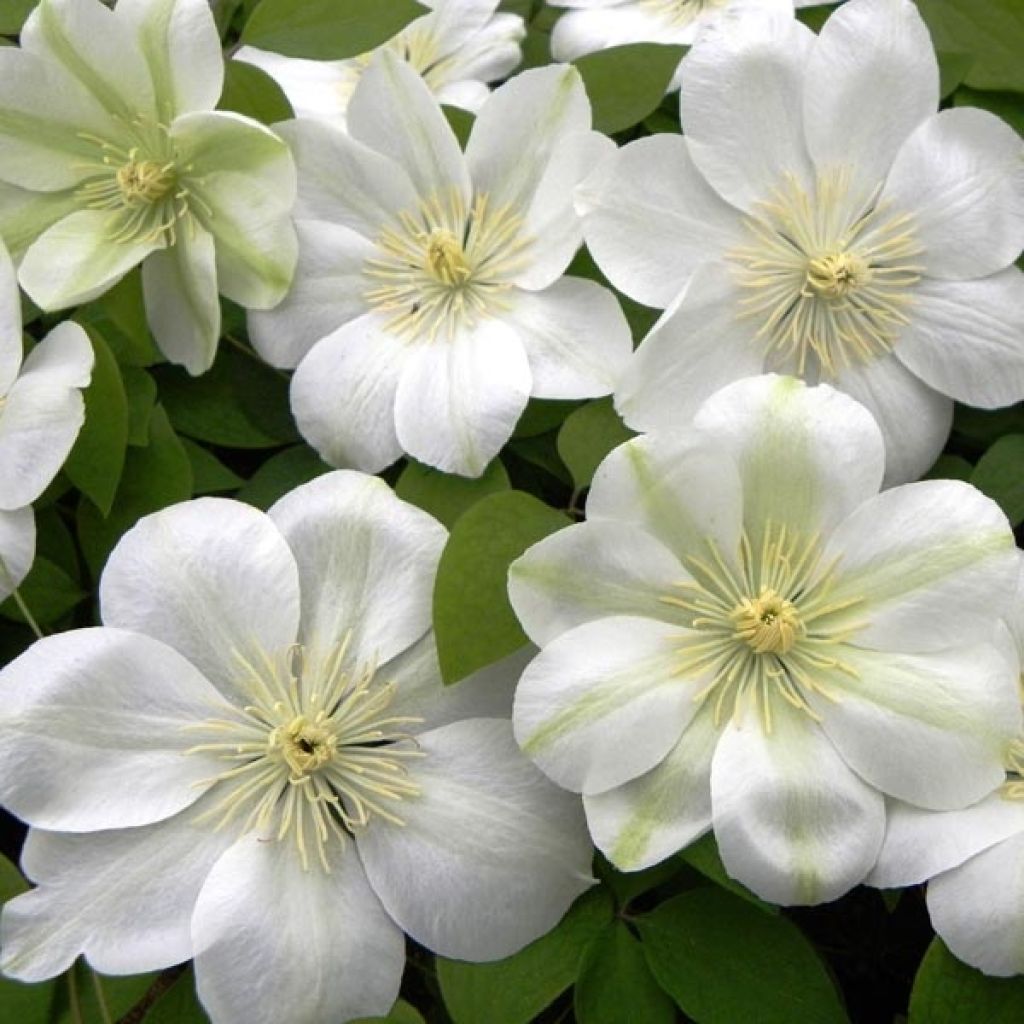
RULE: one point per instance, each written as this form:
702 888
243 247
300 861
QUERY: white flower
746 636
850 233
429 301
974 858
458 48
254 763
111 154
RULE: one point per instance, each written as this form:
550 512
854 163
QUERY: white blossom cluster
764 627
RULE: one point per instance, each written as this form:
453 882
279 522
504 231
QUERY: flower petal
599 27
179 285
77 259
872 78
920 843
366 563
181 45
650 218
648 819
977 909
10 323
124 898
807 455
929 565
460 397
576 338
585 702
328 292
931 729
895 397
590 571
42 414
25 215
741 93
961 177
696 347
212 578
273 942
85 710
393 112
244 178
17 548
490 855
343 394
793 823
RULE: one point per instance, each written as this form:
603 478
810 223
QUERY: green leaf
209 474
949 992
991 32
402 1013
251 91
95 463
953 66
473 620
1000 474
985 426
460 121
446 496
626 83
327 29
542 415
48 591
950 467
703 855
615 984
515 990
13 14
140 390
12 883
587 436
119 995
723 961
280 474
121 314
155 476
179 1004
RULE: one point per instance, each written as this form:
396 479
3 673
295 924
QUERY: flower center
315 756
829 276
445 266
764 625
144 181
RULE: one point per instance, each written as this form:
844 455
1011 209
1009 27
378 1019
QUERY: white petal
393 112
315 88
10 322
896 398
180 288
366 563
584 31
919 843
93 731
343 394
212 578
328 291
930 565
491 854
698 346
964 338
590 571
576 338
978 909
124 898
180 42
460 397
961 178
42 414
807 455
681 491
650 218
741 93
793 823
604 702
25 215
17 548
932 729
872 78
275 943
648 819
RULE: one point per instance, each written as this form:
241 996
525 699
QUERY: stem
101 999
20 602
73 1000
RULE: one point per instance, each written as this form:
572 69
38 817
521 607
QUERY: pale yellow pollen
446 259
768 623
145 181
1013 787
303 745
835 275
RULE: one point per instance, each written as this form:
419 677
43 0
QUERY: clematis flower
253 763
458 48
111 155
591 25
825 222
429 302
745 636
974 858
